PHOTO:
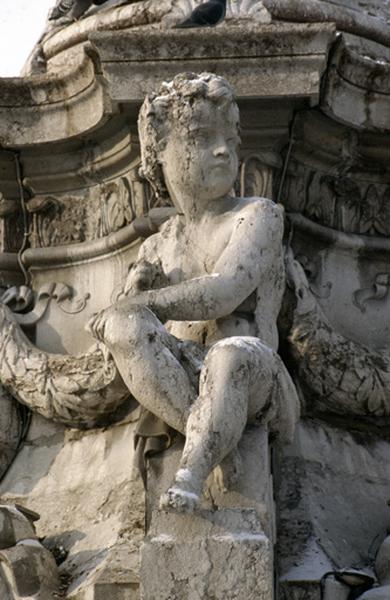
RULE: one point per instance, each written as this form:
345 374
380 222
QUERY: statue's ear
160 150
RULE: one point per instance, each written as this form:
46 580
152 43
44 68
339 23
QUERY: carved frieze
342 203
88 215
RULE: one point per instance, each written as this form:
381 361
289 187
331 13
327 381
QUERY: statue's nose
221 149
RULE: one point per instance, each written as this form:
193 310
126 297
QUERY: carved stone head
189 133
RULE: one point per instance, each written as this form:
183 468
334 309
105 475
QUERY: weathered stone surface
14 527
232 53
327 480
360 81
47 109
29 571
76 129
382 567
251 487
90 500
367 19
221 555
10 429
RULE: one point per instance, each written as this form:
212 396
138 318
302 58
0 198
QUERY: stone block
210 555
109 591
90 500
14 527
252 489
28 570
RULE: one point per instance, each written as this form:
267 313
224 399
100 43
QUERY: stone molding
350 20
347 20
361 82
49 108
232 52
83 98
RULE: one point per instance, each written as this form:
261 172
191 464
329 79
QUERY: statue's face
200 160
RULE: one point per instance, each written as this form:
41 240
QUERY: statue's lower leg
215 426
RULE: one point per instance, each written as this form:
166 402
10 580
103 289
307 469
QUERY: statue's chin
216 188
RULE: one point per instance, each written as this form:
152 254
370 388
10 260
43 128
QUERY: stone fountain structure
300 521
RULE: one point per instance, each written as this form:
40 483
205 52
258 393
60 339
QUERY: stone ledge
359 82
267 61
51 108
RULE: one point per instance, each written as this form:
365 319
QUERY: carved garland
74 390
341 376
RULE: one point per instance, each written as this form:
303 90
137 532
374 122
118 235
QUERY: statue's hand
104 325
144 275
95 325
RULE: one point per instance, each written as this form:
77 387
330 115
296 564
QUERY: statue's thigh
245 364
264 367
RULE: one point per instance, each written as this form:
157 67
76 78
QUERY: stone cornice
72 254
355 21
55 107
137 14
360 82
275 60
332 237
115 19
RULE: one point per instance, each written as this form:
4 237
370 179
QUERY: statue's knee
128 325
227 352
237 352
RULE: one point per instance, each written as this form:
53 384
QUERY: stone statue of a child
195 339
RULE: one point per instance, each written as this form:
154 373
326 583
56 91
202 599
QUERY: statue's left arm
253 251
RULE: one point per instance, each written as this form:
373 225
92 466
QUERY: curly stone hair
173 104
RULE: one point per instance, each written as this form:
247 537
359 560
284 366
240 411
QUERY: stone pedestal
253 488
218 555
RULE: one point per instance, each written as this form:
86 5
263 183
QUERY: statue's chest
193 256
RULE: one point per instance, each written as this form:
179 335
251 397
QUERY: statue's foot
182 495
179 500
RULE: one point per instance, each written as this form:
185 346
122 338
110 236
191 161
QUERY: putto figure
195 339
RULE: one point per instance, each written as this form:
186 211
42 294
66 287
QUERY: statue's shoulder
265 209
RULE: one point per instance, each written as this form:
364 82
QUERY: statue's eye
202 136
233 140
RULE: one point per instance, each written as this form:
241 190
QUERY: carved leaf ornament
249 9
75 390
340 375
